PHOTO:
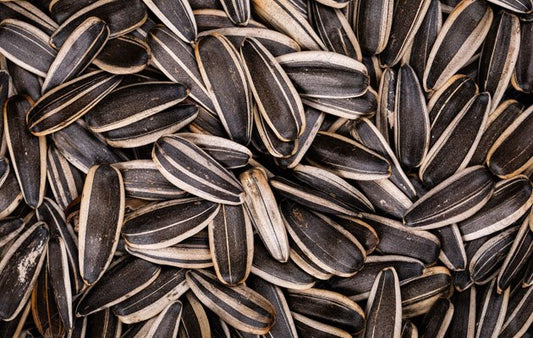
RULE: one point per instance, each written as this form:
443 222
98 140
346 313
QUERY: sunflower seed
334 30
143 180
276 42
196 172
78 51
411 122
464 316
64 104
267 79
167 322
101 216
350 108
315 199
462 33
308 229
328 307
44 308
384 306
216 55
9 229
24 82
372 24
363 232
10 195
519 314
438 319
284 324
191 253
14 327
208 18
509 155
452 252
175 59
359 285
58 267
425 38
486 262
113 112
350 160
306 264
498 55
386 196
407 18
83 149
14 34
284 17
120 18
518 256
420 293
467 128
511 199
167 223
287 275
20 267
26 11
103 324
176 15
386 110
492 312
238 11
521 79
28 153
365 132
123 55
133 274
150 129
519 6
239 306
231 244
314 72
162 292
396 239
194 321
442 205
307 327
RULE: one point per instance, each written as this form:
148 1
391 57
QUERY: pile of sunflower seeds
266 168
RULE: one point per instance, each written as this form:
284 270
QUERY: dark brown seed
124 55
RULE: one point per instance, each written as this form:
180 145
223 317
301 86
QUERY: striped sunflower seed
442 205
78 51
328 307
277 43
462 33
23 81
190 168
101 216
130 276
239 306
384 306
28 12
492 311
167 223
120 18
231 241
177 16
44 308
175 59
521 79
314 72
498 55
65 103
452 253
372 22
237 11
20 267
10 193
103 323
28 154
169 286
216 56
438 319
194 321
286 275
464 314
334 29
519 313
510 155
283 15
112 58
350 159
307 327
14 34
511 200
214 17
58 267
519 6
